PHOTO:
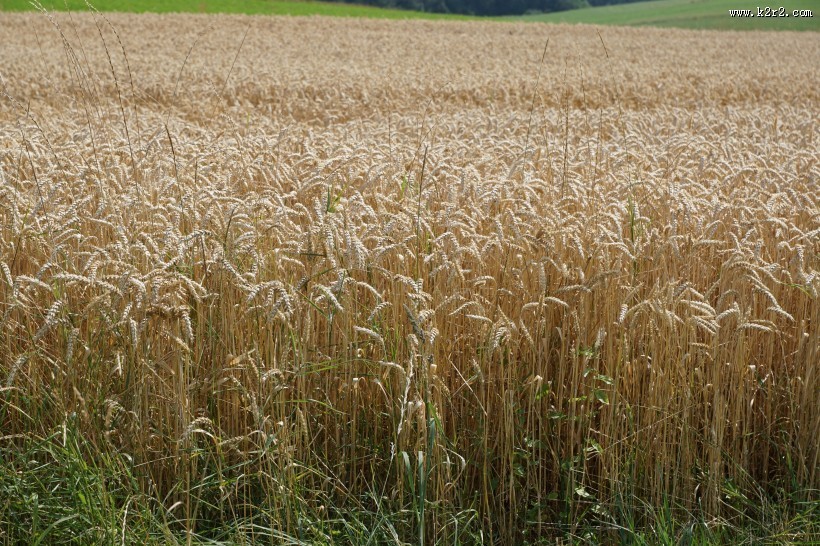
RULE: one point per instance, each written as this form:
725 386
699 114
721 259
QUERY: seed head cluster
334 244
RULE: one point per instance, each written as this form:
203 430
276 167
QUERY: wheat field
271 280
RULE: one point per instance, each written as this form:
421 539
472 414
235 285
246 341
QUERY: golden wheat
350 240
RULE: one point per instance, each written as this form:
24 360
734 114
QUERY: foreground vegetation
694 14
260 286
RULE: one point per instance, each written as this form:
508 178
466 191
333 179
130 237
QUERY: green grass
251 7
61 488
696 14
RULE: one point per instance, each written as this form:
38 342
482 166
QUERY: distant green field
254 7
697 14
703 14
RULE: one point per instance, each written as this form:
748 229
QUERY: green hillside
702 14
698 14
253 7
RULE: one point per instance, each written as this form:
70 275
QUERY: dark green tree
487 7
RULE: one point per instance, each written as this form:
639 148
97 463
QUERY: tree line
487 7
